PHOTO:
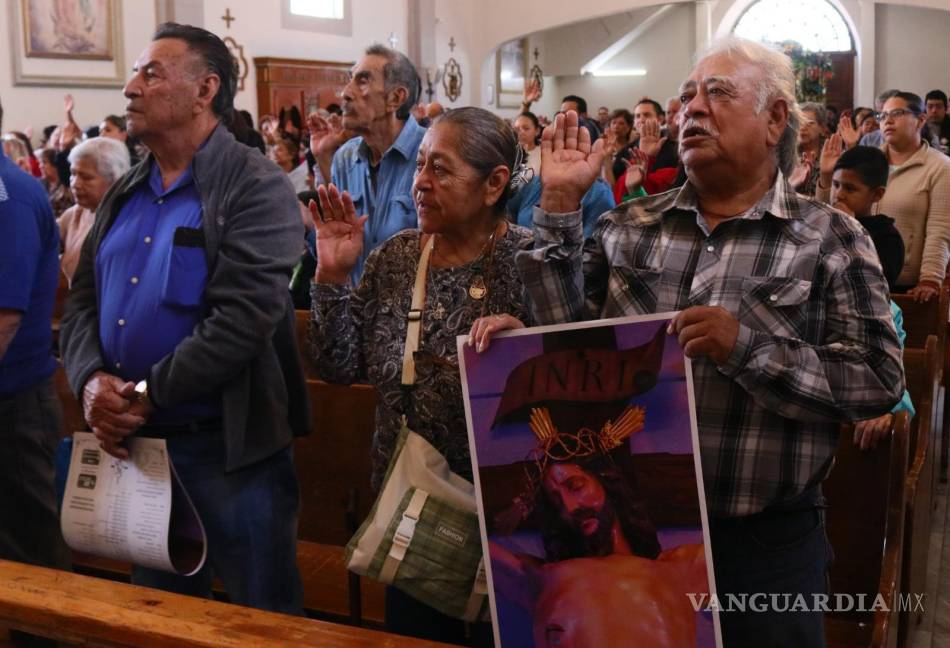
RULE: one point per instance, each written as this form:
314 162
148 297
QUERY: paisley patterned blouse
358 335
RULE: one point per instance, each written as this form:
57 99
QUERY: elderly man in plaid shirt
782 308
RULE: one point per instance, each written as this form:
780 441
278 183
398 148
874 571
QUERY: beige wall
665 52
911 44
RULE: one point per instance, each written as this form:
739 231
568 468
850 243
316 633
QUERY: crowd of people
775 230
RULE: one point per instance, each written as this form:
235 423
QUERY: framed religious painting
511 68
585 453
67 42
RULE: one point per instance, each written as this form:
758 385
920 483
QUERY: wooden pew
920 321
921 370
303 342
924 319
62 291
867 536
90 611
73 419
327 589
333 468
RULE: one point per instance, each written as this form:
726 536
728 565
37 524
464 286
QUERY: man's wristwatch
141 390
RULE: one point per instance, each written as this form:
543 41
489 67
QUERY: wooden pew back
924 319
921 367
303 342
333 463
922 371
73 419
867 536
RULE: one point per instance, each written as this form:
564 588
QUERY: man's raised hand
339 234
650 140
569 163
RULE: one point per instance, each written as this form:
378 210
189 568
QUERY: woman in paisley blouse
463 179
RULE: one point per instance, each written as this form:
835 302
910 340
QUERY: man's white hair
778 82
111 156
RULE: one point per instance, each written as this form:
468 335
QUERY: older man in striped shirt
782 307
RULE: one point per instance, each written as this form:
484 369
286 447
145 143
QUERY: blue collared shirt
598 200
29 273
151 273
390 207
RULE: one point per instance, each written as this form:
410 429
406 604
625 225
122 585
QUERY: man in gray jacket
180 325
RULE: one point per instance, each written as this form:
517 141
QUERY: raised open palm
569 163
650 140
848 133
339 234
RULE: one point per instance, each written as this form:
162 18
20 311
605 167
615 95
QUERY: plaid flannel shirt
816 345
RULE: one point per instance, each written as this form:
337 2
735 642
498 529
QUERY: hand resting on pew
869 432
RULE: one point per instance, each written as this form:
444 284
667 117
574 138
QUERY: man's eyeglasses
895 114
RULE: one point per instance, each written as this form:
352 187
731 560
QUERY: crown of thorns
557 446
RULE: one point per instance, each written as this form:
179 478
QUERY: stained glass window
815 24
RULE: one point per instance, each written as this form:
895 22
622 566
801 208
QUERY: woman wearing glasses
462 183
917 196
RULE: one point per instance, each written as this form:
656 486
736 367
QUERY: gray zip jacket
245 347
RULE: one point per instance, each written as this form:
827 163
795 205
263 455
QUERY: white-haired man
782 308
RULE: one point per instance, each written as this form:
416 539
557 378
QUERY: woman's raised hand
847 131
569 163
830 152
339 235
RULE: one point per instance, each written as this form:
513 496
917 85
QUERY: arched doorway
817 37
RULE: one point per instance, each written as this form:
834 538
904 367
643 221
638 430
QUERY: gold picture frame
69 29
67 43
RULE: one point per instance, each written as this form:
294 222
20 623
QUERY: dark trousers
250 518
30 427
409 617
783 553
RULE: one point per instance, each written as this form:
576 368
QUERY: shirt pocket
776 305
632 290
187 271
404 212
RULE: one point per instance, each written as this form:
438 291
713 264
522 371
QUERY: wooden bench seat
867 535
87 611
326 582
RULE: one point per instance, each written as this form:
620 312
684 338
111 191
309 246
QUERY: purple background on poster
667 404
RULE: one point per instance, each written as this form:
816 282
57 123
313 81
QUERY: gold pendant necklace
477 290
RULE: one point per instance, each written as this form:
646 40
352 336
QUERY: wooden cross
227 17
452 43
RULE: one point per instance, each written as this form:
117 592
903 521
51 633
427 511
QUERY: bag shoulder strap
414 325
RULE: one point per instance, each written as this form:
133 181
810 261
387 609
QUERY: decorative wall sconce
452 75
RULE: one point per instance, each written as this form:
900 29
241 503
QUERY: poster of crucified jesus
590 494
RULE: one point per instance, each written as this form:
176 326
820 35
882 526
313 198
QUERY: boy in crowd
859 180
